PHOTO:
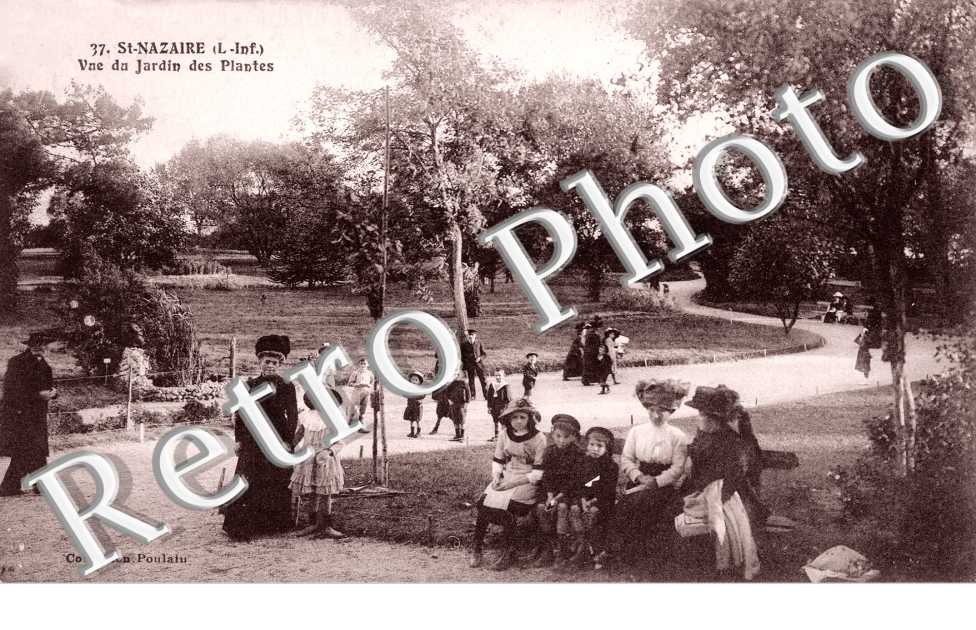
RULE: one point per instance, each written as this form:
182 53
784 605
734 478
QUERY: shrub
197 267
641 300
196 412
883 434
109 309
933 510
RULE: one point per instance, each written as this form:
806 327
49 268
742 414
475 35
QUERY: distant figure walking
863 362
573 365
591 355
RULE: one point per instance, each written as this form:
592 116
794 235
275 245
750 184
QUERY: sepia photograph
553 292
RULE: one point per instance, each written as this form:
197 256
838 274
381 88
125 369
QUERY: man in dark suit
27 387
472 355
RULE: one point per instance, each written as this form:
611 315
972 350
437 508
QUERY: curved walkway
760 381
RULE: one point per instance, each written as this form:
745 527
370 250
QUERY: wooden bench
771 460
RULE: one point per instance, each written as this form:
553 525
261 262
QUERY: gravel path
34 547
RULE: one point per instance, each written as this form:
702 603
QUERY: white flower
89 320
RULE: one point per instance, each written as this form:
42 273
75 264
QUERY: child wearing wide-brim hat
414 409
516 468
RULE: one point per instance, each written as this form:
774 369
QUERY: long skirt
642 523
573 365
863 362
265 507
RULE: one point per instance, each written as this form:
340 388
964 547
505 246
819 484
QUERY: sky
309 43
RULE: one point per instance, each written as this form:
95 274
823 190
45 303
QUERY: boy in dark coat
560 468
598 493
530 372
458 396
498 398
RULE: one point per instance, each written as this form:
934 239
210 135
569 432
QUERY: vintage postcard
673 291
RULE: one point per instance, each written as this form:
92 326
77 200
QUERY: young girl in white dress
319 477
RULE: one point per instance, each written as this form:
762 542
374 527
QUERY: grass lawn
824 432
311 317
506 326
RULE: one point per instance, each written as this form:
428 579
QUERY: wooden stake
128 403
233 357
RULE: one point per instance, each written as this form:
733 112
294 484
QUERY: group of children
567 492
452 399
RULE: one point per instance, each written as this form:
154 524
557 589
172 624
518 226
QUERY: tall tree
442 99
737 55
568 125
24 168
121 213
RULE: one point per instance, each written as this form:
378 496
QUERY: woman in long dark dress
573 365
265 507
591 356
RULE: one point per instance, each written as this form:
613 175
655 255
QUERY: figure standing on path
610 336
265 507
863 362
458 396
472 356
443 407
27 387
498 398
414 410
573 365
591 355
530 373
360 387
317 479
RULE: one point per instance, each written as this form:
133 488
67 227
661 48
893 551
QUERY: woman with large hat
717 452
653 461
265 507
717 458
28 385
516 468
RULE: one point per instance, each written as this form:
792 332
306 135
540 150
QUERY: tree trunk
9 273
594 284
457 280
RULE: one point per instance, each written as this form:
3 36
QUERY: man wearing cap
472 355
27 387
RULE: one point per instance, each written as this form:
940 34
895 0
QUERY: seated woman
653 461
718 458
515 471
